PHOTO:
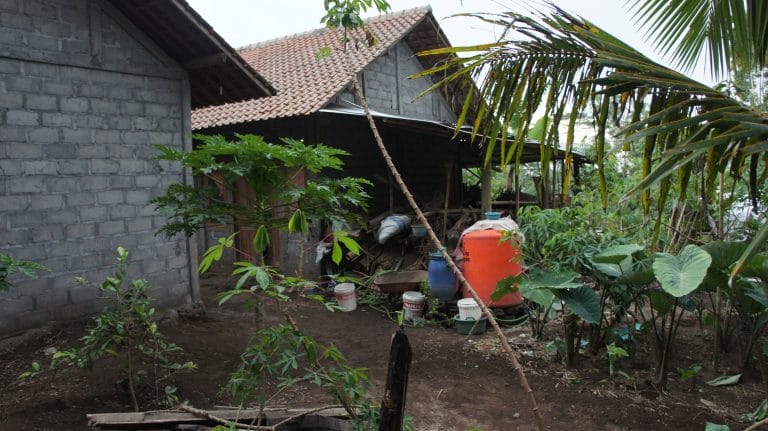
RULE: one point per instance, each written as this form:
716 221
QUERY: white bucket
413 302
345 296
468 309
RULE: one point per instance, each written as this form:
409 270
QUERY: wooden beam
207 61
157 419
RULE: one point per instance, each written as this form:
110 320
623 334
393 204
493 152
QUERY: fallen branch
207 415
757 425
213 418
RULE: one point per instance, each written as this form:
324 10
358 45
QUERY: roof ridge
381 17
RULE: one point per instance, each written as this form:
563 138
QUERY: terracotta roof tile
304 83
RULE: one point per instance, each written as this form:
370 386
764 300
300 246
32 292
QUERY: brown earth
455 383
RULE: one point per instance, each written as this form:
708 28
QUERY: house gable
389 88
305 83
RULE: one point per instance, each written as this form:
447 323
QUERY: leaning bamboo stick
511 355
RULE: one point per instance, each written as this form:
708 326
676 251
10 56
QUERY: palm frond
561 63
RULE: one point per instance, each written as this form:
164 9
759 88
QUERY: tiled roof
303 82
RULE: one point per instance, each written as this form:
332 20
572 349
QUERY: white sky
242 22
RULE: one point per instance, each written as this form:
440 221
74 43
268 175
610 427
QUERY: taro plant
9 266
127 329
743 300
665 286
578 302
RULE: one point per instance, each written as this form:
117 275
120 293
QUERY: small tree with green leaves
275 200
127 329
10 266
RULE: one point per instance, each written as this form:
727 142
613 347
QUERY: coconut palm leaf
732 32
563 63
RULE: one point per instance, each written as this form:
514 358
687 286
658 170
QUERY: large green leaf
682 274
583 301
543 297
724 253
539 279
752 250
757 267
615 261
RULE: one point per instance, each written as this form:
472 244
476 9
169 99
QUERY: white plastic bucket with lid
468 309
345 296
413 302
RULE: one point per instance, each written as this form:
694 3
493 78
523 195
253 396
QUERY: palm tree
692 135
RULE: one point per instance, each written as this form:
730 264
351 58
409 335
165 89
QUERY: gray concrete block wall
76 164
389 89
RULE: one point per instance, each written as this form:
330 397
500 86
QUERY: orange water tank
487 261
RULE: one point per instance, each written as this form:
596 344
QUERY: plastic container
492 215
346 296
413 304
486 262
418 230
442 281
468 309
470 326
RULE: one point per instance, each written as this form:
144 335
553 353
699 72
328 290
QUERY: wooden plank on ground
160 418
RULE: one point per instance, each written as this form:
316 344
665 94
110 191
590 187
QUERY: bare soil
456 383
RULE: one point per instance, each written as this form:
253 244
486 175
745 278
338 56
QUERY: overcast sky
242 22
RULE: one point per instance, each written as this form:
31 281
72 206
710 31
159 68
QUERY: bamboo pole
511 355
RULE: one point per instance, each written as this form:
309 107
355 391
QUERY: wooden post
393 404
485 184
448 180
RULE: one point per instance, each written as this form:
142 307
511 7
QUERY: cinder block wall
389 89
83 96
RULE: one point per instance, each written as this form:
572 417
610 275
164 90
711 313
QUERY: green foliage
564 286
691 135
690 372
563 238
716 427
614 353
269 170
342 238
760 413
682 274
127 329
281 356
10 266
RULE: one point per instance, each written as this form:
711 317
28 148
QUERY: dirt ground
455 383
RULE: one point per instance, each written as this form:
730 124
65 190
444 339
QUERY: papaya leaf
261 239
336 253
298 222
682 274
505 286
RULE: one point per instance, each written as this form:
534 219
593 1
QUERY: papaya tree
274 199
